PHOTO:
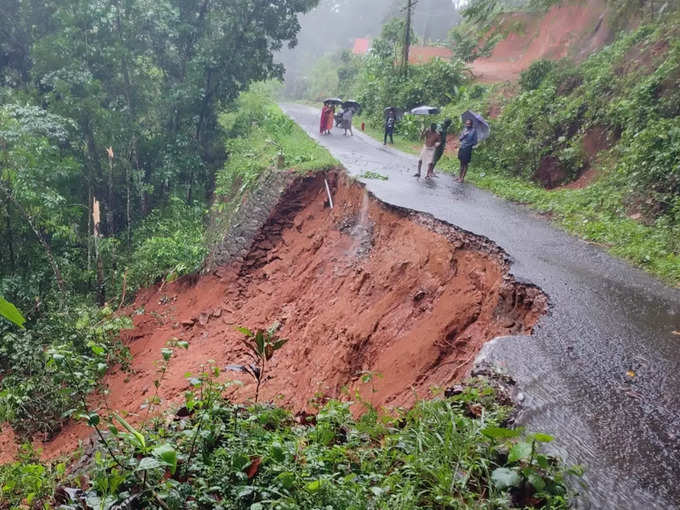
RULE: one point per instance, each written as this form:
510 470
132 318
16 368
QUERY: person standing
389 127
439 151
468 139
347 115
323 125
331 119
432 141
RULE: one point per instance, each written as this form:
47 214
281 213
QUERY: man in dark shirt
443 133
468 139
389 127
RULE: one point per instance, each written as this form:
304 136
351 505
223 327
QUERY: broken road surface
607 320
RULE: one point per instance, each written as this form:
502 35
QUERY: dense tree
138 83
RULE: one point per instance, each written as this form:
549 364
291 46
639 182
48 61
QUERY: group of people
435 142
434 137
328 119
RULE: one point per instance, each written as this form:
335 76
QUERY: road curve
606 320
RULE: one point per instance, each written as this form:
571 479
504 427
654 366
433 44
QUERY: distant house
424 54
361 46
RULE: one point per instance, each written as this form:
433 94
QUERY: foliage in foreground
49 369
447 453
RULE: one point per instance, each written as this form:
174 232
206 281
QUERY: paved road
606 318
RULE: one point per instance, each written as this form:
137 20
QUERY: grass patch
261 137
595 214
373 175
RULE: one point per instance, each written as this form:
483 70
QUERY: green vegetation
368 174
445 453
260 137
109 149
616 113
49 368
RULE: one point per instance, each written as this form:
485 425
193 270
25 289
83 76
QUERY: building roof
424 54
361 46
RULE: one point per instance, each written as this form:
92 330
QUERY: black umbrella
353 105
398 112
478 122
333 101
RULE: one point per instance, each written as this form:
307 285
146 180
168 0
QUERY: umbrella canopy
425 110
398 112
478 122
333 101
349 104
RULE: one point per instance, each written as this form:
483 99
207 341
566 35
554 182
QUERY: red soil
585 180
8 445
569 29
595 140
361 287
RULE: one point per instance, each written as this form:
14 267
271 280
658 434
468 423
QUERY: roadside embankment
359 288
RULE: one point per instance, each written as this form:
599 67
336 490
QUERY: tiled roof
361 46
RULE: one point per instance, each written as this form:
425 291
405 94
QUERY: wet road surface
606 319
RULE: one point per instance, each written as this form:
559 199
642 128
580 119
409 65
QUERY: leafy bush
651 159
447 453
169 243
532 78
50 368
28 481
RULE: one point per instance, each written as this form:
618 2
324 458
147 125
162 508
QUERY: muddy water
602 371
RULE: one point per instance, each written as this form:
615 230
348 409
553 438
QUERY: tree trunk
407 37
41 239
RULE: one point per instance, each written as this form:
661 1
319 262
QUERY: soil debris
363 288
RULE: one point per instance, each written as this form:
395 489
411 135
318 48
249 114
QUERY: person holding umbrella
443 133
468 139
347 114
349 108
330 119
327 115
476 130
326 112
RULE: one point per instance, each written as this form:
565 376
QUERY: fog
334 25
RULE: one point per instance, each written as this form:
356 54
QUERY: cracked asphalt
606 319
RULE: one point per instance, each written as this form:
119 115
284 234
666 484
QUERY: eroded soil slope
360 287
568 29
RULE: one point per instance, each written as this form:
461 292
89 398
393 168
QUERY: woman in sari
325 115
331 119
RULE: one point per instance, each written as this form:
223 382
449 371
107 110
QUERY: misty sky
335 24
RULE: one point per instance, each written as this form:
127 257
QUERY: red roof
361 46
424 54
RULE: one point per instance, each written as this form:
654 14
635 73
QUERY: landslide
567 29
362 287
